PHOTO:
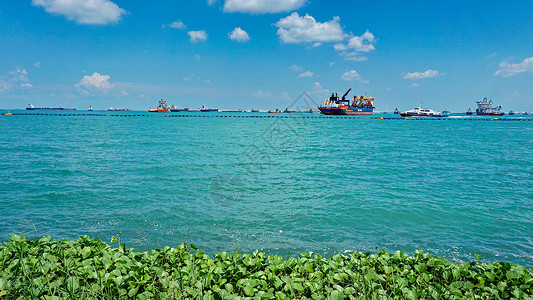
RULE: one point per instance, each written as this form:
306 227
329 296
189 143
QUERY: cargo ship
484 108
162 106
207 109
177 109
360 106
31 107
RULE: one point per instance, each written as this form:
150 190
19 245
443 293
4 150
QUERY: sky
263 54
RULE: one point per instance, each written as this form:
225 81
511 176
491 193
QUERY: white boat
422 112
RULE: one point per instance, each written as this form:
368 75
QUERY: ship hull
49 108
158 110
489 114
346 111
422 116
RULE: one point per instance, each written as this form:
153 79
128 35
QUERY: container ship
362 105
31 107
484 108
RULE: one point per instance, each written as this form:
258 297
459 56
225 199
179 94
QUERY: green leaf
249 291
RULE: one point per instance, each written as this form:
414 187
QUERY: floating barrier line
275 117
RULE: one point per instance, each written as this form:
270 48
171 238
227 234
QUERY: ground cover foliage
90 268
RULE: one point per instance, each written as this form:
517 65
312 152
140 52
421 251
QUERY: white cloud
508 70
13 80
295 29
352 75
124 93
211 2
421 75
83 11
37 64
262 6
198 36
319 91
26 85
306 74
296 68
176 25
356 44
414 85
262 95
239 35
95 82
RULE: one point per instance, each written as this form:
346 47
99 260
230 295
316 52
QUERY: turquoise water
282 185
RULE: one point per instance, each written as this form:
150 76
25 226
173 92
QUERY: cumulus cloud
306 74
176 25
319 91
83 11
262 95
295 29
508 69
262 6
421 75
239 35
95 82
37 64
13 80
356 45
197 36
352 75
296 68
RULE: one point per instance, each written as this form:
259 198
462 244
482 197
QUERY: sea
458 187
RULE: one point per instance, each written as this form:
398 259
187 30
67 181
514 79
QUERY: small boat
484 108
525 113
469 111
90 108
446 112
207 109
396 111
360 105
289 110
277 111
254 110
177 109
31 107
422 112
162 106
118 109
511 113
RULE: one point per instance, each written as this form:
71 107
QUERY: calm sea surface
226 182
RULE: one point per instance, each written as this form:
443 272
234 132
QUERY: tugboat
396 111
469 111
422 112
206 109
177 109
161 107
336 106
90 108
484 108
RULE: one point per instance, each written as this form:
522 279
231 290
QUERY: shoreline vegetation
90 268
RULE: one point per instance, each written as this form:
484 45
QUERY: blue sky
264 53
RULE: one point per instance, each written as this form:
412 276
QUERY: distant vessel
422 112
446 112
8 113
484 108
117 109
207 109
396 111
469 111
90 108
511 113
336 106
162 106
277 111
31 107
177 109
289 110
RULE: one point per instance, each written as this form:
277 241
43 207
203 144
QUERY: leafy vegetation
86 268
